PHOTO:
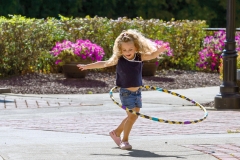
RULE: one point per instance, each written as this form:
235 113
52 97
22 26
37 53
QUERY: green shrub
25 43
185 36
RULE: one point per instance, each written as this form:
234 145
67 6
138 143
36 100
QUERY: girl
130 49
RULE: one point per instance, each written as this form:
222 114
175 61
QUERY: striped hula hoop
158 119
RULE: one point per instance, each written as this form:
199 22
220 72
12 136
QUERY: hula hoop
158 119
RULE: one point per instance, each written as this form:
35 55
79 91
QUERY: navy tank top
129 73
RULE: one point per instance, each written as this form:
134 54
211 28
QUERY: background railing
218 29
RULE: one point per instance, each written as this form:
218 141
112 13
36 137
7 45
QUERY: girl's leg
119 129
129 121
115 134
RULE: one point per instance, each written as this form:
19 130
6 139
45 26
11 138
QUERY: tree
10 7
213 11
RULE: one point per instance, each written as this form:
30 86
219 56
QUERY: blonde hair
143 44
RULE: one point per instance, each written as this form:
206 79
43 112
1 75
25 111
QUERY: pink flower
210 55
81 48
58 61
169 51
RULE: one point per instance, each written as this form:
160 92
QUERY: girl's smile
128 50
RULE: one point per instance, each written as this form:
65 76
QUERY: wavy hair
143 44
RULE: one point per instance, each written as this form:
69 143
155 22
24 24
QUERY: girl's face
128 49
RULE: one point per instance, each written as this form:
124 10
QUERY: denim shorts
131 99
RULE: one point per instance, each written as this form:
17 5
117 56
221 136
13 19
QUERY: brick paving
223 151
218 122
100 124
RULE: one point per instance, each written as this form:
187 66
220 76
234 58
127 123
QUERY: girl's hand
82 67
162 48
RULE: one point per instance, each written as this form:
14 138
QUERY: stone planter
70 70
5 90
149 68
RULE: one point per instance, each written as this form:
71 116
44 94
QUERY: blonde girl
130 49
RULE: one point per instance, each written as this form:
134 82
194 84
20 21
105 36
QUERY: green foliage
97 30
184 36
45 63
68 56
24 43
185 39
10 7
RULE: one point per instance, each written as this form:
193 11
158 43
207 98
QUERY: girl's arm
98 64
160 50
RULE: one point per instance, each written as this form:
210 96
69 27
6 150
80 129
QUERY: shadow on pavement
6 101
141 154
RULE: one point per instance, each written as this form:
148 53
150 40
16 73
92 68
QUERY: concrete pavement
75 127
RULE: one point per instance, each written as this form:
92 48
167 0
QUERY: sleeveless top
129 73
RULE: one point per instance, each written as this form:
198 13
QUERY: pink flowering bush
210 56
169 51
166 54
68 51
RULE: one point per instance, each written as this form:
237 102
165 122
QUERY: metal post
229 97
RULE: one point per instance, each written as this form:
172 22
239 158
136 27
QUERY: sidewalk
75 127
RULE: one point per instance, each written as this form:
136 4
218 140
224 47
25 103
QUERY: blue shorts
131 99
